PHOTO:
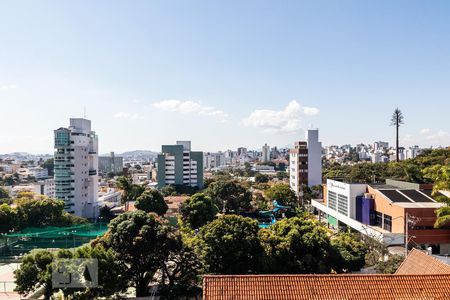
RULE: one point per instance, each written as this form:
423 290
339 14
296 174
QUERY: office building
306 162
382 211
110 164
76 167
265 153
178 165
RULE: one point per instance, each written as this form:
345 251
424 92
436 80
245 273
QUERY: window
332 200
342 204
379 219
387 223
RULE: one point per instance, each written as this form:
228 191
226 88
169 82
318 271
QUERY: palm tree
397 120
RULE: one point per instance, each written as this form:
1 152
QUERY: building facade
389 212
265 157
178 165
76 167
110 164
305 165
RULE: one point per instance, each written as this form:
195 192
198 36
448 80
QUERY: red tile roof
326 287
418 262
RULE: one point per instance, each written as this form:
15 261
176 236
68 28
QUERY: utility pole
406 234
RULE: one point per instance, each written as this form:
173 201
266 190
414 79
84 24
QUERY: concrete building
178 165
76 167
43 187
306 162
110 164
265 157
382 212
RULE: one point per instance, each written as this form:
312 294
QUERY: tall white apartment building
76 167
305 162
265 153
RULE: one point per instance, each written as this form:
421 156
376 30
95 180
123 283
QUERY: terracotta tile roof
326 287
418 262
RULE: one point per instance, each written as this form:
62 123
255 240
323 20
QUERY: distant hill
136 154
24 156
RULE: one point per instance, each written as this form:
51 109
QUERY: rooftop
418 262
329 287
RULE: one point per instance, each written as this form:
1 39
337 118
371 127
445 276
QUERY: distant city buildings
265 157
178 165
76 167
306 162
110 164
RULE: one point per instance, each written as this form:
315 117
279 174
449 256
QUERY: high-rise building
241 151
306 162
265 153
76 167
178 165
110 164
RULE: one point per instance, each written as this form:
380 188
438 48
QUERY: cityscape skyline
340 67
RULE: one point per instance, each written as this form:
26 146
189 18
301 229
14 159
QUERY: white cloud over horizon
289 120
124 115
191 107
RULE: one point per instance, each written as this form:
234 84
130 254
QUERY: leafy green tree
390 265
110 271
230 196
35 273
282 175
151 201
282 193
142 242
261 178
230 245
180 272
4 194
440 175
198 210
296 246
8 218
350 253
130 191
105 214
39 212
168 190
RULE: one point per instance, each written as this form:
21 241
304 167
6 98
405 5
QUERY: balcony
92 172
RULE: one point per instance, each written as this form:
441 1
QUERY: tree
130 191
440 175
151 201
229 196
390 265
230 245
261 178
397 120
282 193
35 273
180 272
105 214
4 194
297 246
110 271
8 218
350 253
142 242
198 210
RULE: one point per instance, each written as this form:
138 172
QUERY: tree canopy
229 195
282 193
151 201
198 210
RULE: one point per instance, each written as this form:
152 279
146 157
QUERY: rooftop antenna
84 108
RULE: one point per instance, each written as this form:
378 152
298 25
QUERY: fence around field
19 243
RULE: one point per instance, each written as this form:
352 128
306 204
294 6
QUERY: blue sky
223 73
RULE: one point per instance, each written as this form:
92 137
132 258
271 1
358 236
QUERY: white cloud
287 120
424 131
8 87
191 107
440 134
124 115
